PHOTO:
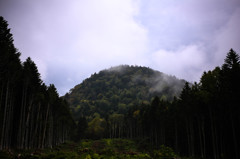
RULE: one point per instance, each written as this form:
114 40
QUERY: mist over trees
117 89
197 120
202 121
32 115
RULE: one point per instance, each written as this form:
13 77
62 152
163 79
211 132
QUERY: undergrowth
95 149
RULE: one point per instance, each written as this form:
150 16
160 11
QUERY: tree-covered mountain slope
117 89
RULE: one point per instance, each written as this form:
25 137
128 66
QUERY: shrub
163 152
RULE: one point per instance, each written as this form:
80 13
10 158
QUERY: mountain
117 89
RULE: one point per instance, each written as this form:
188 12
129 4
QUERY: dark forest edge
32 115
202 122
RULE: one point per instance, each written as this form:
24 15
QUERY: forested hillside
120 88
32 115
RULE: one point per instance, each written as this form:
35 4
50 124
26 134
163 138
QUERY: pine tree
10 69
229 97
29 110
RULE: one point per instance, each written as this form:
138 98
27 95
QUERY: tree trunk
10 120
203 139
27 125
22 119
188 138
176 138
37 125
234 138
192 138
213 130
45 127
1 96
3 137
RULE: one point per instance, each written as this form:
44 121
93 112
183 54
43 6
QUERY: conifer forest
121 112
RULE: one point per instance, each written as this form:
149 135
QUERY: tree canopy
117 89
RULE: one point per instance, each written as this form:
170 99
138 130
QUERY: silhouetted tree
29 110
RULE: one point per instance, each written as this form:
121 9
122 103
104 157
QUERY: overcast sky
71 39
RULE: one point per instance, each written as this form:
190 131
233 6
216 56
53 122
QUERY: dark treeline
32 115
203 121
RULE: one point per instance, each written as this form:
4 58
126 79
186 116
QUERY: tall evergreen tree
10 68
229 93
29 110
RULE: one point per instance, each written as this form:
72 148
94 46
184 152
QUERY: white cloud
188 62
110 34
78 38
172 24
70 40
190 37
227 37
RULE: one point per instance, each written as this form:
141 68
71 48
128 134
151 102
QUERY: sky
71 39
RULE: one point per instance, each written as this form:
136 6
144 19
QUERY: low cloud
187 62
160 82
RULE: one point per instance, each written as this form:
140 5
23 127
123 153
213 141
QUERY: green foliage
96 127
111 149
89 149
164 152
114 93
118 88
